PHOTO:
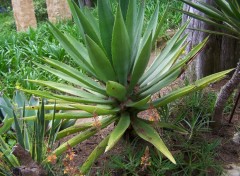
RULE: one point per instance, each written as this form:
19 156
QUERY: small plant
194 157
27 129
117 84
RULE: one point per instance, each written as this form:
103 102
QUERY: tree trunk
223 96
219 54
24 14
58 10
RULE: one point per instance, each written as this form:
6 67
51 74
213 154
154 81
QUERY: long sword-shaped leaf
97 109
88 28
106 21
209 21
120 49
78 128
151 27
19 134
79 138
147 132
118 131
99 59
8 153
71 50
76 19
64 88
160 25
94 155
199 84
75 74
124 7
161 84
67 98
141 63
167 62
177 66
69 79
136 38
139 103
74 129
69 115
163 54
131 21
206 10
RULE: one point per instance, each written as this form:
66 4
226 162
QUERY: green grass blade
8 153
19 134
53 128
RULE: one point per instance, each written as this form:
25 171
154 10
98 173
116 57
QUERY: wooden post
24 14
58 10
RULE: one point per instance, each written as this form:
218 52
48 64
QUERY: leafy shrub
40 10
124 87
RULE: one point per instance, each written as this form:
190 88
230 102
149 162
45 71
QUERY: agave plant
224 15
114 80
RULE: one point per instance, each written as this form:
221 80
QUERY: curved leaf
75 74
96 109
120 49
106 21
147 132
94 155
99 59
79 138
64 88
118 131
141 63
139 103
116 90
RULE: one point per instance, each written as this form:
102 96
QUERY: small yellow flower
145 159
18 86
52 158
